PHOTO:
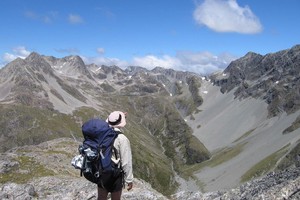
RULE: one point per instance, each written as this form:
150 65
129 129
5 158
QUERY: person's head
117 119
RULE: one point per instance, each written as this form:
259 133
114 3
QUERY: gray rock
272 77
14 191
276 185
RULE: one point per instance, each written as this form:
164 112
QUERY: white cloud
75 19
105 61
227 16
203 62
151 61
198 62
7 57
48 17
20 52
100 51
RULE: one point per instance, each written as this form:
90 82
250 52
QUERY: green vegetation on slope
160 138
244 135
217 158
28 169
295 125
161 141
24 125
194 85
264 165
291 158
188 98
71 90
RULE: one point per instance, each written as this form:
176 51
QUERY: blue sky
190 35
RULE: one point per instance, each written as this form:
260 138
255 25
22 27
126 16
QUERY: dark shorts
110 182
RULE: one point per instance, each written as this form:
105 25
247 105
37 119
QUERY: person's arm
126 160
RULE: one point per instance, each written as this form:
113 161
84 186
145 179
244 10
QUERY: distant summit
274 77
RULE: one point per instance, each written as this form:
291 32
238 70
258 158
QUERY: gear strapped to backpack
97 150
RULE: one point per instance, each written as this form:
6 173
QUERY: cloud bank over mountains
198 62
216 15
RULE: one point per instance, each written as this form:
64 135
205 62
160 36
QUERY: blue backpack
97 150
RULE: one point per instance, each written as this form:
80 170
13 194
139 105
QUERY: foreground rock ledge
280 185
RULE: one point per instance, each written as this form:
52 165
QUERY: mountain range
188 132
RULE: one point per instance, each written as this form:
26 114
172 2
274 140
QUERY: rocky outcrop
64 188
274 77
44 172
280 185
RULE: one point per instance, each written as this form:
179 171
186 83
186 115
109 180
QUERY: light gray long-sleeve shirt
122 144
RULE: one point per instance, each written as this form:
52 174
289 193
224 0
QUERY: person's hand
129 186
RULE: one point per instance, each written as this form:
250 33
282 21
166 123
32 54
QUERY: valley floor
242 126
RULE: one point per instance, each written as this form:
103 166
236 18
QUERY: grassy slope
161 140
145 127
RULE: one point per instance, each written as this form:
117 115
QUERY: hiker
117 120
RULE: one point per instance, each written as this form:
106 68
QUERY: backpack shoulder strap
113 147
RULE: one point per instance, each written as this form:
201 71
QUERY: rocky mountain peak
135 69
158 70
296 48
13 66
33 56
251 55
75 60
70 66
266 77
36 62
